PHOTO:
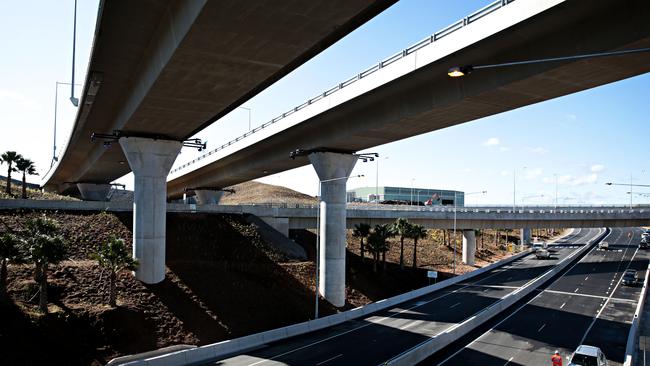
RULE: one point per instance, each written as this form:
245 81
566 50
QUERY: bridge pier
150 160
469 246
94 191
333 170
525 236
208 196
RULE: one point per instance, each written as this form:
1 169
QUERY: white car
603 245
587 356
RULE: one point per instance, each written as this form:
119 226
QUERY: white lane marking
586 278
329 359
612 294
587 295
564 303
453 306
576 290
540 328
498 287
510 359
518 309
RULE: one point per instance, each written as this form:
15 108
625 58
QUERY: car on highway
644 242
603 245
587 356
630 277
542 254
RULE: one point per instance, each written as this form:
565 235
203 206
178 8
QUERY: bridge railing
593 209
490 8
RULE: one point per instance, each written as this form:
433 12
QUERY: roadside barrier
634 327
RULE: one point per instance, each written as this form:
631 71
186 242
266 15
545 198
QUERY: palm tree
114 257
417 232
375 244
9 158
42 245
361 231
8 252
401 227
27 167
384 231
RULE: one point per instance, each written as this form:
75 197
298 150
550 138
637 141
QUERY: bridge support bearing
469 246
525 237
333 169
150 161
208 196
94 191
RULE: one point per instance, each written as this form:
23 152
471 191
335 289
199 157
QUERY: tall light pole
377 182
318 234
555 191
249 116
412 183
628 185
56 98
455 209
74 100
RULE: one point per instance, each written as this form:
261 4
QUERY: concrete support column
525 236
94 191
469 247
333 170
150 161
208 196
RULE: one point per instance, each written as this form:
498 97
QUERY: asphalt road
587 305
383 335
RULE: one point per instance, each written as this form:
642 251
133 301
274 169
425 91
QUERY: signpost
432 274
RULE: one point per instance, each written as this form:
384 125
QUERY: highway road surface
385 334
587 305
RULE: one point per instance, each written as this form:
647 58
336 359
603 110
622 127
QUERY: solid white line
329 359
514 312
453 306
587 295
540 328
612 294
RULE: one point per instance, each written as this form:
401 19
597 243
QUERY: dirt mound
257 193
32 193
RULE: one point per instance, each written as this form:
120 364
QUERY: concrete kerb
632 336
208 352
439 341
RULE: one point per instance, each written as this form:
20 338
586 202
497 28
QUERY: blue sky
586 139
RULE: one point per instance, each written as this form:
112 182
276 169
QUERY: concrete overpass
162 70
410 93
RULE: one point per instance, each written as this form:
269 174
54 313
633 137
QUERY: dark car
630 277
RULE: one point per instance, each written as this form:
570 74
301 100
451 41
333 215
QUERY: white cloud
538 150
570 180
533 173
492 141
597 168
505 173
504 148
16 97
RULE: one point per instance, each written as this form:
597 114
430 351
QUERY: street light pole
56 98
377 182
74 100
411 200
555 191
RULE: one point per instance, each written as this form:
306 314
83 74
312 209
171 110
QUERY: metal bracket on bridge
304 152
229 190
117 134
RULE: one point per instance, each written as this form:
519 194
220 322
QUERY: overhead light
75 101
458 71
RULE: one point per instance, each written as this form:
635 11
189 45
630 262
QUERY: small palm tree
8 252
401 227
27 167
384 231
361 231
42 245
9 158
115 257
416 232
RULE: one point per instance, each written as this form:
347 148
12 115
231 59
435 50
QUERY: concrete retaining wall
216 350
439 341
632 337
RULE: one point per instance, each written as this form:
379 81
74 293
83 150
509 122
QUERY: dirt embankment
223 281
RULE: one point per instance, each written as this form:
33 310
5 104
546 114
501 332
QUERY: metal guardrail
498 4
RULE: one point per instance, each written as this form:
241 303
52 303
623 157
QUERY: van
587 356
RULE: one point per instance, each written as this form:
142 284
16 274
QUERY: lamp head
75 101
458 71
